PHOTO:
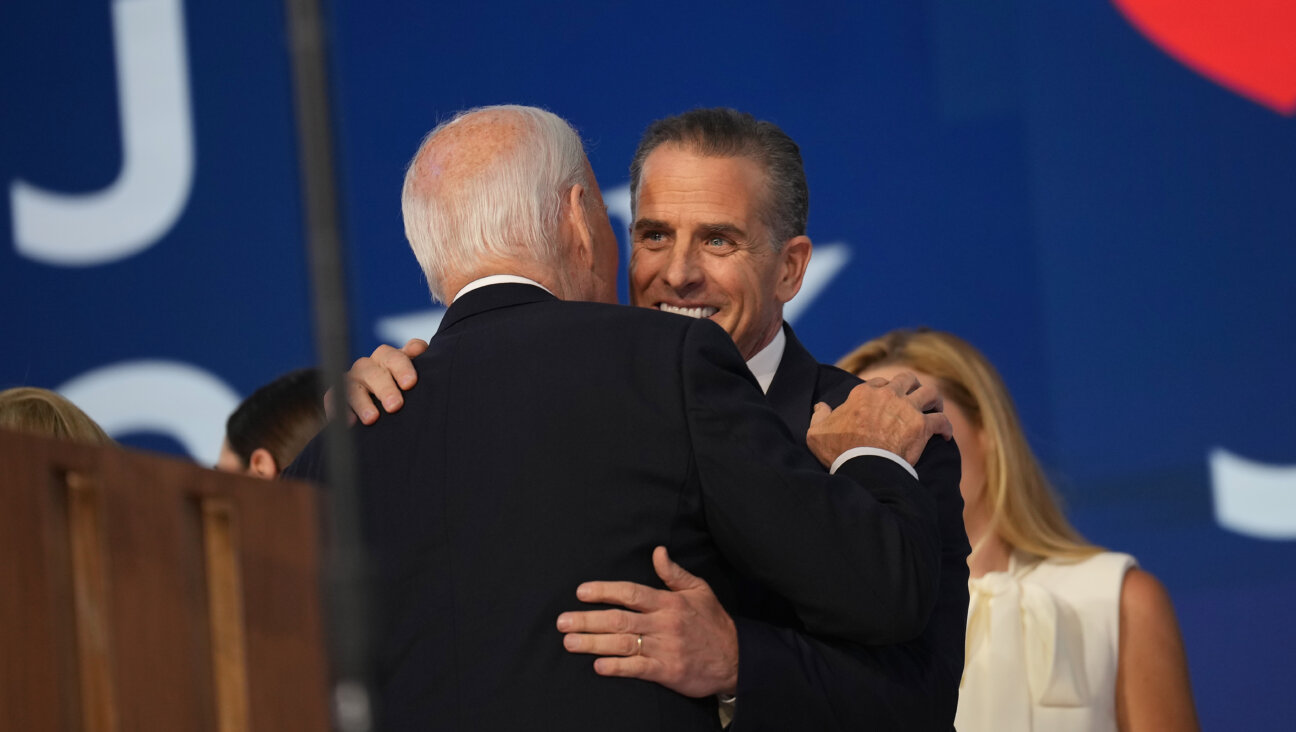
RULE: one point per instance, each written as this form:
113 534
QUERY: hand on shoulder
382 377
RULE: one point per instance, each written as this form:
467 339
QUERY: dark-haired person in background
272 425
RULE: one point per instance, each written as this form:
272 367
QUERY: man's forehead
671 158
685 151
719 191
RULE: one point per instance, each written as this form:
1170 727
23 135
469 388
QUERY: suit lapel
792 391
488 298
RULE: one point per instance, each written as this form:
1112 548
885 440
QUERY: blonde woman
43 412
1061 635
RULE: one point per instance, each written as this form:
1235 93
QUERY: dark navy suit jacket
548 443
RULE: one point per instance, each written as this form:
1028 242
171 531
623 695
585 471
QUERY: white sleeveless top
1042 646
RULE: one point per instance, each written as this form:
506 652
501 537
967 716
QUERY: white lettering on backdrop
170 398
151 190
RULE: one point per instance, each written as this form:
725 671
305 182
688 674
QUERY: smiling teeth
699 312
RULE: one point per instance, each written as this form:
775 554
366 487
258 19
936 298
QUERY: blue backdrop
1099 195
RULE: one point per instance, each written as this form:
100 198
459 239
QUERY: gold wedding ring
639 645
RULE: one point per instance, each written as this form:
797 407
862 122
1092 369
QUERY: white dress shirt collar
766 361
498 279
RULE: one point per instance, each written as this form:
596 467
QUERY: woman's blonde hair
43 412
1024 509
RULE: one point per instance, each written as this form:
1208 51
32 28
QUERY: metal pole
344 559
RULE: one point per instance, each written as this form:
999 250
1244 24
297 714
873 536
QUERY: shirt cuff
855 452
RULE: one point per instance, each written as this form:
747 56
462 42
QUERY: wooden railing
140 592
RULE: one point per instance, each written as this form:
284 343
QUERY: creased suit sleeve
790 679
857 553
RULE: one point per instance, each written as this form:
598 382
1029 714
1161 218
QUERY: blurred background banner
1098 195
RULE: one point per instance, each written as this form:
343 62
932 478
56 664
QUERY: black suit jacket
789 678
549 443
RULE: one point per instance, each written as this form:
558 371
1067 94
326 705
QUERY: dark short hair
281 416
725 132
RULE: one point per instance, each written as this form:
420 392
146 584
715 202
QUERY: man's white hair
508 209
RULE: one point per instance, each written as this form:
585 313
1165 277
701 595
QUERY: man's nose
683 271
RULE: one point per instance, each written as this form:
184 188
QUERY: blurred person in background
43 412
272 425
1061 634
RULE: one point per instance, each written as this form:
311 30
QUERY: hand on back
680 637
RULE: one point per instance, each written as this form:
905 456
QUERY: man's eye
717 241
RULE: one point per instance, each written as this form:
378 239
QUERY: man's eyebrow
722 228
642 224
704 229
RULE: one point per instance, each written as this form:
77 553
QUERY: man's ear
793 260
582 236
262 464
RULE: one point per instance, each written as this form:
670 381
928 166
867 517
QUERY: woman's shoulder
1144 600
1099 565
1141 595
1096 579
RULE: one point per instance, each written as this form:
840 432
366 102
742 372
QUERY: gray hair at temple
725 133
508 209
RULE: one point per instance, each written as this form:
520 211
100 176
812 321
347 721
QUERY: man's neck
497 279
765 363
